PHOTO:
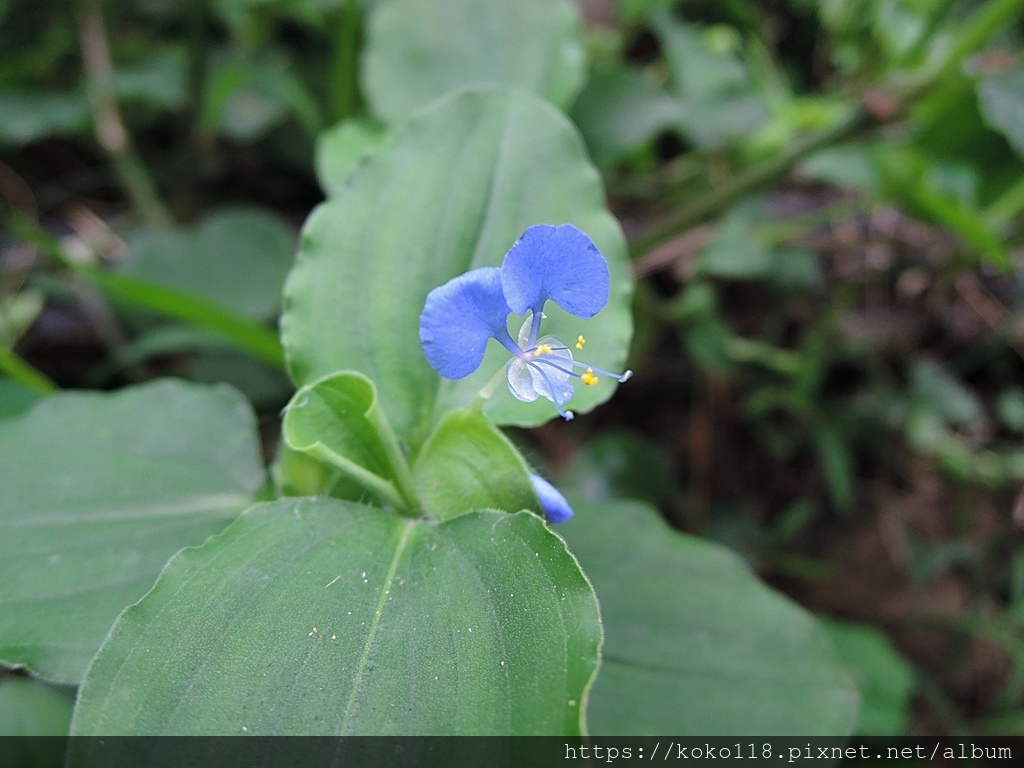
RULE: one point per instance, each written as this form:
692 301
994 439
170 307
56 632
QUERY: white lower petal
521 381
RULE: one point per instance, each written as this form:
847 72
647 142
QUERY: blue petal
458 319
556 508
557 263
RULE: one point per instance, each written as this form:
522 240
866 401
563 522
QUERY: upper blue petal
458 319
557 263
556 508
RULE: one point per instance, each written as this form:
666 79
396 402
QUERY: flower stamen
580 341
589 378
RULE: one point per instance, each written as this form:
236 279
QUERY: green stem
248 335
489 388
191 163
1004 208
406 488
374 483
993 17
343 97
973 34
749 180
23 373
745 350
110 129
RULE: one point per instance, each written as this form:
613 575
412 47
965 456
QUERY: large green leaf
467 464
317 616
237 258
696 645
412 57
461 182
98 491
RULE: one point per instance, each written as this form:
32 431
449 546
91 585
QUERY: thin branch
110 129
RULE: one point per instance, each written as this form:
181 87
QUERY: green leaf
340 149
249 335
695 644
98 491
467 464
32 708
735 252
459 185
16 398
835 457
1001 100
323 617
336 420
622 465
237 258
938 390
412 58
718 94
620 110
158 80
29 117
885 678
246 97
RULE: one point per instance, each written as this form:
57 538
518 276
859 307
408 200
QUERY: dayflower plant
560 264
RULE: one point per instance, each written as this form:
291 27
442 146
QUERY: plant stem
374 483
973 34
248 335
195 141
1005 207
749 180
110 129
994 16
403 476
343 95
24 373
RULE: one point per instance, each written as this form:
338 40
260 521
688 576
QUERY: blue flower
559 264
556 508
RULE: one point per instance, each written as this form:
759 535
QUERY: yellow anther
580 341
543 349
589 378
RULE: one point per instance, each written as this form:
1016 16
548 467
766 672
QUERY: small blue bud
556 508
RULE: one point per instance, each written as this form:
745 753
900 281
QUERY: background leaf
460 184
696 644
412 58
1001 100
620 110
317 616
341 148
237 258
467 464
32 708
99 490
884 677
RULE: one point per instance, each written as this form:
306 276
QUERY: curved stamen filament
619 377
567 415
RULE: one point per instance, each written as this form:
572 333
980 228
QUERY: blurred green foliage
824 201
